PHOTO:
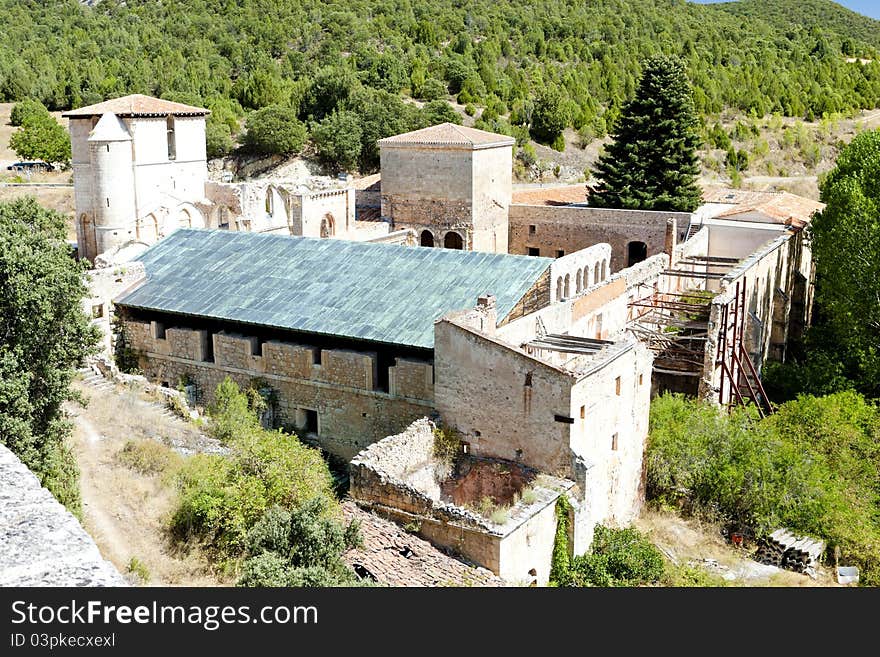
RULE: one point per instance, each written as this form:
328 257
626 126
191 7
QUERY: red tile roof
397 558
137 105
776 207
449 134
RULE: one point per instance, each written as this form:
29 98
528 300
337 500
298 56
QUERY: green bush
617 557
25 110
223 496
302 547
812 467
434 89
275 130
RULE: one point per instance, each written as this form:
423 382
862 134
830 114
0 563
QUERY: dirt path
125 511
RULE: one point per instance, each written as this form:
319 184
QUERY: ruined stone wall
572 228
772 277
338 385
399 477
104 285
576 272
503 401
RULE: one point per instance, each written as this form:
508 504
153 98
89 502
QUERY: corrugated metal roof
378 292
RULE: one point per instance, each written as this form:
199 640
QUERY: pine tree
652 162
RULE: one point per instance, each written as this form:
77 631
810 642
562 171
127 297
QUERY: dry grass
689 541
55 198
128 491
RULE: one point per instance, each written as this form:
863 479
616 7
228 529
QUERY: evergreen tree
652 162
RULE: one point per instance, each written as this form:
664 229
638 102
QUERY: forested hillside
794 15
533 66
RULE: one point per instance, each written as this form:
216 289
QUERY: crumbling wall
399 478
571 228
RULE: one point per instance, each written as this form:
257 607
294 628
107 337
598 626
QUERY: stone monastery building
531 326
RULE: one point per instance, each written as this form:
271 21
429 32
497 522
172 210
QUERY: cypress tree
652 162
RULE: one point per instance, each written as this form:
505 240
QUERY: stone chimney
487 313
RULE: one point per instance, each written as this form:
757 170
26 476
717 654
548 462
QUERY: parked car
32 165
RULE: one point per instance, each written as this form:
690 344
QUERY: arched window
270 202
172 139
596 278
426 238
577 282
586 277
636 252
559 288
567 289
328 226
453 240
604 269
223 220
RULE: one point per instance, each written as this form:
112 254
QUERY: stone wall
399 478
777 281
503 401
43 543
338 386
570 228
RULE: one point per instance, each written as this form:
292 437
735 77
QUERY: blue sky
867 7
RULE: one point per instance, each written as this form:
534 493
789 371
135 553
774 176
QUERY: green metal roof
377 292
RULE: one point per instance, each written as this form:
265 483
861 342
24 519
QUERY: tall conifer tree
652 162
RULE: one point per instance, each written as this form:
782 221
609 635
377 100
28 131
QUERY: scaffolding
675 326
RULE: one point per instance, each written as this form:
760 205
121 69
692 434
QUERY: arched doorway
453 240
328 226
636 252
184 220
426 238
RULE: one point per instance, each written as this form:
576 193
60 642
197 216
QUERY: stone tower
139 167
450 184
113 190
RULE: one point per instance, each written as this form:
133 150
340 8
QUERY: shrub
447 445
139 569
434 89
618 557
223 496
148 457
275 130
338 139
27 109
811 467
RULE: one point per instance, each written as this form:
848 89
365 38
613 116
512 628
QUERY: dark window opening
534 251
565 419
427 238
172 140
636 252
559 253
532 229
209 348
311 421
528 383
614 442
257 347
583 412
316 356
453 241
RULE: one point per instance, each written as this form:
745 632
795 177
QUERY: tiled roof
550 195
449 134
376 292
395 557
776 207
138 105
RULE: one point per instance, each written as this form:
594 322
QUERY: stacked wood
784 549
